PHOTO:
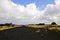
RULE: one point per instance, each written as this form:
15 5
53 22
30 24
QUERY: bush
53 23
41 23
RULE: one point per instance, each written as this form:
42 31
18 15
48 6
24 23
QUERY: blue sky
39 3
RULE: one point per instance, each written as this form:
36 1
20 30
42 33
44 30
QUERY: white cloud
52 12
57 1
11 12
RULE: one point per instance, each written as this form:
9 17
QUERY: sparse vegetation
52 26
7 26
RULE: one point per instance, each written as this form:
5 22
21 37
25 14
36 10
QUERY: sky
29 11
39 3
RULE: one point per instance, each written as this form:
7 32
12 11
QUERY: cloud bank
19 14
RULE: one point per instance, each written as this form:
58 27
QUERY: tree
41 23
53 23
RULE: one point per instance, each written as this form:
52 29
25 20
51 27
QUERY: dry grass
37 26
7 27
50 27
38 30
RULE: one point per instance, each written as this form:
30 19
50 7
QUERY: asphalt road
24 33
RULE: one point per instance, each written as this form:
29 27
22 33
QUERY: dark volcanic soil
25 33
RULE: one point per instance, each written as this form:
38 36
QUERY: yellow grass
50 27
6 27
37 26
38 30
